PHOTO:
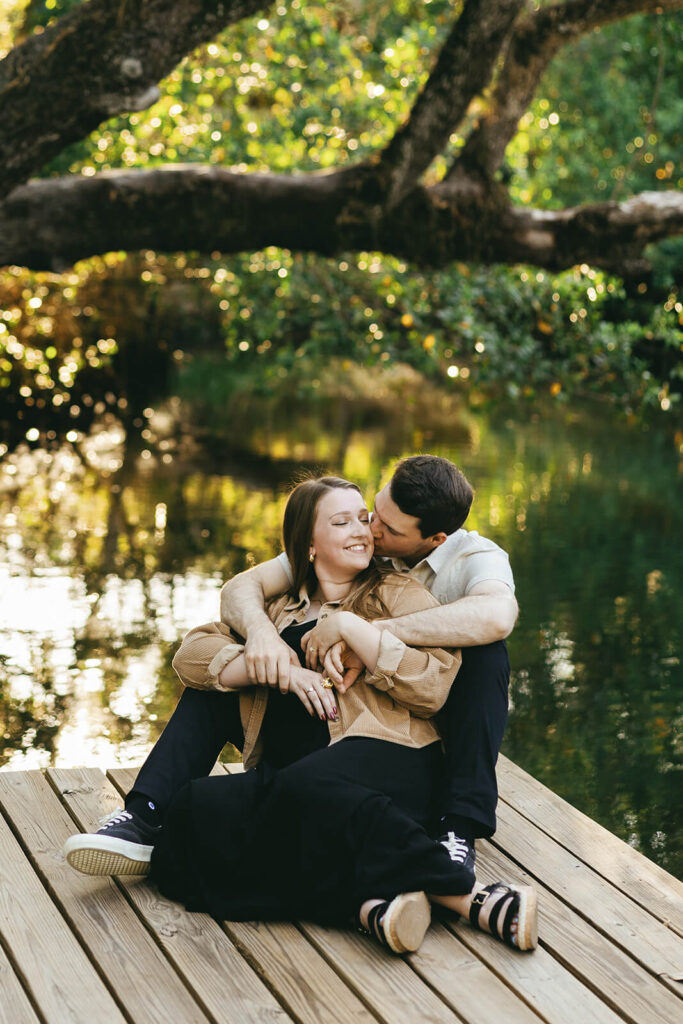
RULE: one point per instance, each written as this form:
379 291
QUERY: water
111 548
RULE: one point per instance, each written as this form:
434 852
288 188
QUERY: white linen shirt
451 570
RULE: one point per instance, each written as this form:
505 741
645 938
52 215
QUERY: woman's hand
317 698
325 634
362 637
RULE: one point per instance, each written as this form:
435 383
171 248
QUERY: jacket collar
303 601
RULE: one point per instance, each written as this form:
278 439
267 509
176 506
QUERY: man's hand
268 658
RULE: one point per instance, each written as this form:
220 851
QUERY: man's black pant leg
202 723
472 724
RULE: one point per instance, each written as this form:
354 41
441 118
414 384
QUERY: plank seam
615 885
253 962
334 967
59 906
150 931
19 974
568 965
664 979
155 937
510 987
357 991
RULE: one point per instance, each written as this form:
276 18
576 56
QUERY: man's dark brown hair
434 491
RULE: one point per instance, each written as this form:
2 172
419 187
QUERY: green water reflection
111 547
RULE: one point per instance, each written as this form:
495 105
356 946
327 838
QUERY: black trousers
472 723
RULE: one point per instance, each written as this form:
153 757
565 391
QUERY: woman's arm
419 678
209 658
204 653
362 637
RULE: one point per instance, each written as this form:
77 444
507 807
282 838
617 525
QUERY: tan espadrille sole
406 921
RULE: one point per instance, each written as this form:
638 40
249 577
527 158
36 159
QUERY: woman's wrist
345 624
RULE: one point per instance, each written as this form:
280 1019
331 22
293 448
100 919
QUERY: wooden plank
655 946
106 924
544 984
386 983
301 979
219 978
599 966
15 1006
639 878
61 980
466 983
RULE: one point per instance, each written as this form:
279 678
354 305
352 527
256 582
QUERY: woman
328 820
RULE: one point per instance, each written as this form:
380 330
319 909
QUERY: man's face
396 534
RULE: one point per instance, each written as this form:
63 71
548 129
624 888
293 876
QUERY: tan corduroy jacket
394 703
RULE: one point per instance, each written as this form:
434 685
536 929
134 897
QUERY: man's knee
480 690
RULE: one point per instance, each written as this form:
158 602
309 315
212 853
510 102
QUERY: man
417 525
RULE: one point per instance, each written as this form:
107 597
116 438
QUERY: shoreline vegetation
124 332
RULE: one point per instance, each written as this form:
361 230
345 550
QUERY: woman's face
342 540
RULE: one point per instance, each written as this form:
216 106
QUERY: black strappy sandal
400 924
523 904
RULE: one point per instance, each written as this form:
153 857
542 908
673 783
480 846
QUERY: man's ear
437 539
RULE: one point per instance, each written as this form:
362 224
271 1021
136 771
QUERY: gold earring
311 557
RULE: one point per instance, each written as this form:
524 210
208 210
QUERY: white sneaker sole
102 855
406 922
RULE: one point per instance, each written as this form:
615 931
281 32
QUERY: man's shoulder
467 542
463 560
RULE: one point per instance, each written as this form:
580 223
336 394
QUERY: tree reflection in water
112 547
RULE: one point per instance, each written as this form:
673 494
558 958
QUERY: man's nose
376 526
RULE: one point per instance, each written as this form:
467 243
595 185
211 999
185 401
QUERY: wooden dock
80 949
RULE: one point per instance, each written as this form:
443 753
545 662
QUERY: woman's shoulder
404 592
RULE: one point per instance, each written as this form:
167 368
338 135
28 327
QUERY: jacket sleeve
418 678
204 652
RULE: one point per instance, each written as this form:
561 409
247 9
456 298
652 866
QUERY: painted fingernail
334 711
323 718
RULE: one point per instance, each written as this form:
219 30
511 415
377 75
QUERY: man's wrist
258 622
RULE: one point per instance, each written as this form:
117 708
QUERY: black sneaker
122 846
460 851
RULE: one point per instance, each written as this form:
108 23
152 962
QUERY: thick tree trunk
101 59
49 224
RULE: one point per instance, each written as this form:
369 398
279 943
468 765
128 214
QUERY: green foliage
309 87
497 331
607 120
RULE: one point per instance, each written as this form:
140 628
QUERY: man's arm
488 613
243 601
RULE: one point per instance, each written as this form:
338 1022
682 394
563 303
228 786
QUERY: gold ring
327 683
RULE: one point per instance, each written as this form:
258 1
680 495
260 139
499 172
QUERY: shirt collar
435 560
